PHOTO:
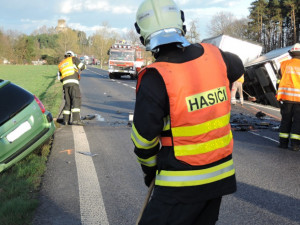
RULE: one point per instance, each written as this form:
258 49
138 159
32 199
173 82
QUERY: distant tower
61 25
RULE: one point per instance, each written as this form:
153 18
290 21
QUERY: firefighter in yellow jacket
70 76
289 95
181 128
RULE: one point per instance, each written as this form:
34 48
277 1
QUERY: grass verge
20 184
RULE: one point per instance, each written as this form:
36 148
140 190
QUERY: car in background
25 124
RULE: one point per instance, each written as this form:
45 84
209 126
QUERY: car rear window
12 100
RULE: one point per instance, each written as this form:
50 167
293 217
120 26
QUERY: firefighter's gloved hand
149 177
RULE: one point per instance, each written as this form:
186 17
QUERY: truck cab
121 62
261 76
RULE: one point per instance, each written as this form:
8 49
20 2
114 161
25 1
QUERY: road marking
92 209
271 139
261 106
257 110
114 80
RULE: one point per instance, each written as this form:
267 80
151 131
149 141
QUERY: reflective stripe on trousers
195 177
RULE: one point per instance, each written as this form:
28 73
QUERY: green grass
39 80
20 184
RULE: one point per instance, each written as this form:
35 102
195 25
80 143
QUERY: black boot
283 143
295 145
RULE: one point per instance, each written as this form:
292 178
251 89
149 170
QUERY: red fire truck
124 59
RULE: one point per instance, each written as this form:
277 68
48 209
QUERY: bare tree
193 34
101 42
227 23
220 23
6 50
132 36
67 40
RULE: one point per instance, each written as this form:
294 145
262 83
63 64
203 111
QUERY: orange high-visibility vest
199 98
67 67
289 86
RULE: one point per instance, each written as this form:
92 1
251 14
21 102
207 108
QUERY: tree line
271 23
49 44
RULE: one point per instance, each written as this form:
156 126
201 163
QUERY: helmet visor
165 36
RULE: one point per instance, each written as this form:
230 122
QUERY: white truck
260 71
262 74
246 50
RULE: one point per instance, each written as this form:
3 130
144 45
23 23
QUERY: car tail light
42 107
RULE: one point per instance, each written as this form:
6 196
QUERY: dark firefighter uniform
183 105
69 76
289 93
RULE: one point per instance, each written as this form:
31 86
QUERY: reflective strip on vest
284 135
66 112
141 142
150 162
201 128
70 81
289 86
75 110
293 92
292 70
195 149
167 123
195 177
67 67
295 136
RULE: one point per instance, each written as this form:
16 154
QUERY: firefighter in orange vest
181 128
288 94
69 72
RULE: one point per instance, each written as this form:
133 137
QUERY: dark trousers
200 213
72 102
290 122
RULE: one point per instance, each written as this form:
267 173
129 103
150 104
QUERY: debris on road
260 114
88 153
88 117
244 122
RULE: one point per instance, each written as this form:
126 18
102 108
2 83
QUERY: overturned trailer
261 76
247 51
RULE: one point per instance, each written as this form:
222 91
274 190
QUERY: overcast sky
26 16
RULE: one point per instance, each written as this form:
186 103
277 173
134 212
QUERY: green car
24 124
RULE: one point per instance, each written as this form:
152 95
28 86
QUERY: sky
89 15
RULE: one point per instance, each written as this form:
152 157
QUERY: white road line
92 209
271 139
115 80
261 106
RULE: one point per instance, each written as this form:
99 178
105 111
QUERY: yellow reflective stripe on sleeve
195 177
205 147
141 142
167 123
80 65
70 81
295 136
284 135
201 128
150 162
66 112
75 110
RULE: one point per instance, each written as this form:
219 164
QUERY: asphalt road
92 175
